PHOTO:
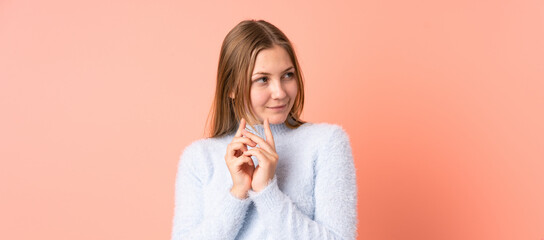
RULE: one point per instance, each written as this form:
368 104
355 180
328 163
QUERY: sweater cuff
233 206
269 197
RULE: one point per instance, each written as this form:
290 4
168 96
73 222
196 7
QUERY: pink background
443 101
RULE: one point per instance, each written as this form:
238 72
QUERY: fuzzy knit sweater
313 194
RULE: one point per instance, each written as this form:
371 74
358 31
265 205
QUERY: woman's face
273 85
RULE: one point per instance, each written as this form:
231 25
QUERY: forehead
272 60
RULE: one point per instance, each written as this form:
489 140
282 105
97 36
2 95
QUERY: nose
278 91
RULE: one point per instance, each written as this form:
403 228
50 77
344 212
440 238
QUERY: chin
277 119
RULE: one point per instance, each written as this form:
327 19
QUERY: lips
279 106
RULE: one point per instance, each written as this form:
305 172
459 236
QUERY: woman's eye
289 75
263 80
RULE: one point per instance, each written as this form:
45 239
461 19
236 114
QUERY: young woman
264 173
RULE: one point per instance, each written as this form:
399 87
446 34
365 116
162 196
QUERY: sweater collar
277 129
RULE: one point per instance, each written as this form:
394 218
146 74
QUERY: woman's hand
268 158
240 166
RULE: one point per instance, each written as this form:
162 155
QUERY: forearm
222 221
283 217
199 215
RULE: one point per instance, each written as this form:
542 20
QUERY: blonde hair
236 62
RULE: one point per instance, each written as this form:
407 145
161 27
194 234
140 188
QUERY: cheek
292 90
258 98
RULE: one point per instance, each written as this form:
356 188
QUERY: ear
231 94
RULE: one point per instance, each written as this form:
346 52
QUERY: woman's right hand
241 167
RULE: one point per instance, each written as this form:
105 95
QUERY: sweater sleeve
335 193
225 215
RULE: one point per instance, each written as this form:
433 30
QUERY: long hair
236 63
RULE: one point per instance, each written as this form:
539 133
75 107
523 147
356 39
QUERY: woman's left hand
268 158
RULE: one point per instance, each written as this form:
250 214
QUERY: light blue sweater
312 196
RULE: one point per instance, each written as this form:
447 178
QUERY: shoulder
198 145
328 139
206 144
197 152
334 147
325 132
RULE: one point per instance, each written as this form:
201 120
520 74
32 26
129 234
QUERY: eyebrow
265 73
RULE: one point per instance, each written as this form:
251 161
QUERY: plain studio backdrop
443 102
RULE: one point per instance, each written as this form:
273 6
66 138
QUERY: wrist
240 194
257 187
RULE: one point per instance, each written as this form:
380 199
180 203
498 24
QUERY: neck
277 129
